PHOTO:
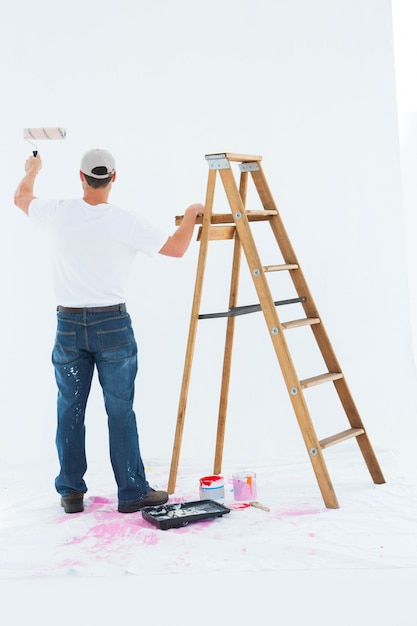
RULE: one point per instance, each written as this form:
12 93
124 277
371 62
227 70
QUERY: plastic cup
244 486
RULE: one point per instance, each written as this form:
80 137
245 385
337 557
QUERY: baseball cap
98 163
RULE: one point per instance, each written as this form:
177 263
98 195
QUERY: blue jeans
105 340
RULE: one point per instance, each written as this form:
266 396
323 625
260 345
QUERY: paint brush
258 505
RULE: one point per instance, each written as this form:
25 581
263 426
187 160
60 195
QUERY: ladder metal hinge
249 167
217 162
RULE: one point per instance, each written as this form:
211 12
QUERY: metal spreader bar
248 308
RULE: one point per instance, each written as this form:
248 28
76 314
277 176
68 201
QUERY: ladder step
280 268
305 321
343 436
318 380
253 215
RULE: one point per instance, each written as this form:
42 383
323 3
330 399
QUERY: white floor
342 597
298 562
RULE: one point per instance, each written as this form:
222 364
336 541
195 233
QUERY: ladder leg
355 421
312 443
324 482
230 329
370 459
227 361
192 331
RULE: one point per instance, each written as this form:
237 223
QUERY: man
94 244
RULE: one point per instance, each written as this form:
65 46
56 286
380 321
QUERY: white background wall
308 84
404 13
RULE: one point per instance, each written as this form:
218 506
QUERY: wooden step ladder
237 226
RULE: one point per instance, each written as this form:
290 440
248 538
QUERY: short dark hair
97 183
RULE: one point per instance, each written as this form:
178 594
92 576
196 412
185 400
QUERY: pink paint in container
212 488
244 486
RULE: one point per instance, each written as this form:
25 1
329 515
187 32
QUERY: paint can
244 486
212 488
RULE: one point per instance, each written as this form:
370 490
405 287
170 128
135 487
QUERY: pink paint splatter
95 503
99 500
107 532
151 540
112 529
297 512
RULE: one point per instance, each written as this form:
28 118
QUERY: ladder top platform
230 156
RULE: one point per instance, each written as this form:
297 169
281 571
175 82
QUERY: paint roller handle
35 153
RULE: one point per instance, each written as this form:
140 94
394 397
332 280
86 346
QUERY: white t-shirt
93 248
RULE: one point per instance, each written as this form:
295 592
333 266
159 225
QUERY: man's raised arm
24 193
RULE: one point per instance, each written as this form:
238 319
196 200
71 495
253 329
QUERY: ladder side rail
283 241
259 279
278 339
355 421
332 363
192 330
268 202
297 275
319 330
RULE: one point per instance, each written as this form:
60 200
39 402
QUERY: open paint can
212 488
244 486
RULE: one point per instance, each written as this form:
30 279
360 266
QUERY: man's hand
33 165
195 209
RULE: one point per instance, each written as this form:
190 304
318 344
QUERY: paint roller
36 134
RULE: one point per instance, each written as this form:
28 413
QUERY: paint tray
182 514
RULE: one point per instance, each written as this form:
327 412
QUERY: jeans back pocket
116 344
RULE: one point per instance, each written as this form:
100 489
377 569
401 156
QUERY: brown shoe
153 498
73 503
